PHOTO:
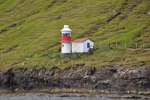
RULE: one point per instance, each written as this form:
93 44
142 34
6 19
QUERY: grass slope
30 28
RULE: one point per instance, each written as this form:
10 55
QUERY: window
62 45
68 34
88 45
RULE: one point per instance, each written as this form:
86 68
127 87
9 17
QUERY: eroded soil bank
110 79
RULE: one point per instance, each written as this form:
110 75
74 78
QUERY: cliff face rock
109 78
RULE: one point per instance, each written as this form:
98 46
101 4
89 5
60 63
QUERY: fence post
143 46
136 45
22 55
108 44
116 44
100 44
36 55
15 53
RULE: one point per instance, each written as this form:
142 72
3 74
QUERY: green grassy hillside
30 28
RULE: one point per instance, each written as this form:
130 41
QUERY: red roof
80 40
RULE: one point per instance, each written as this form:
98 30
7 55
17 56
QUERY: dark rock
108 78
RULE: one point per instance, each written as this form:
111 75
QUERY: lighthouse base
65 55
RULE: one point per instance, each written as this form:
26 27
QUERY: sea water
59 98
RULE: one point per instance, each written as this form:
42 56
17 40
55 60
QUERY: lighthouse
66 41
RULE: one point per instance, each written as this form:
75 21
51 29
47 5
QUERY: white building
82 45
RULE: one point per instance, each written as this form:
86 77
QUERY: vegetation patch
30 32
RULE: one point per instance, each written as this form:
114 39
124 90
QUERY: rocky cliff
109 78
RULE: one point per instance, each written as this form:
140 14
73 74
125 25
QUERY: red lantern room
66 37
66 34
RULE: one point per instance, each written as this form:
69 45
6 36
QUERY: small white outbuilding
82 45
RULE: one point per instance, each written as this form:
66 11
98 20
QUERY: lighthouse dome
66 29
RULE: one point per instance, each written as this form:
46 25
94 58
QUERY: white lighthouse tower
66 41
